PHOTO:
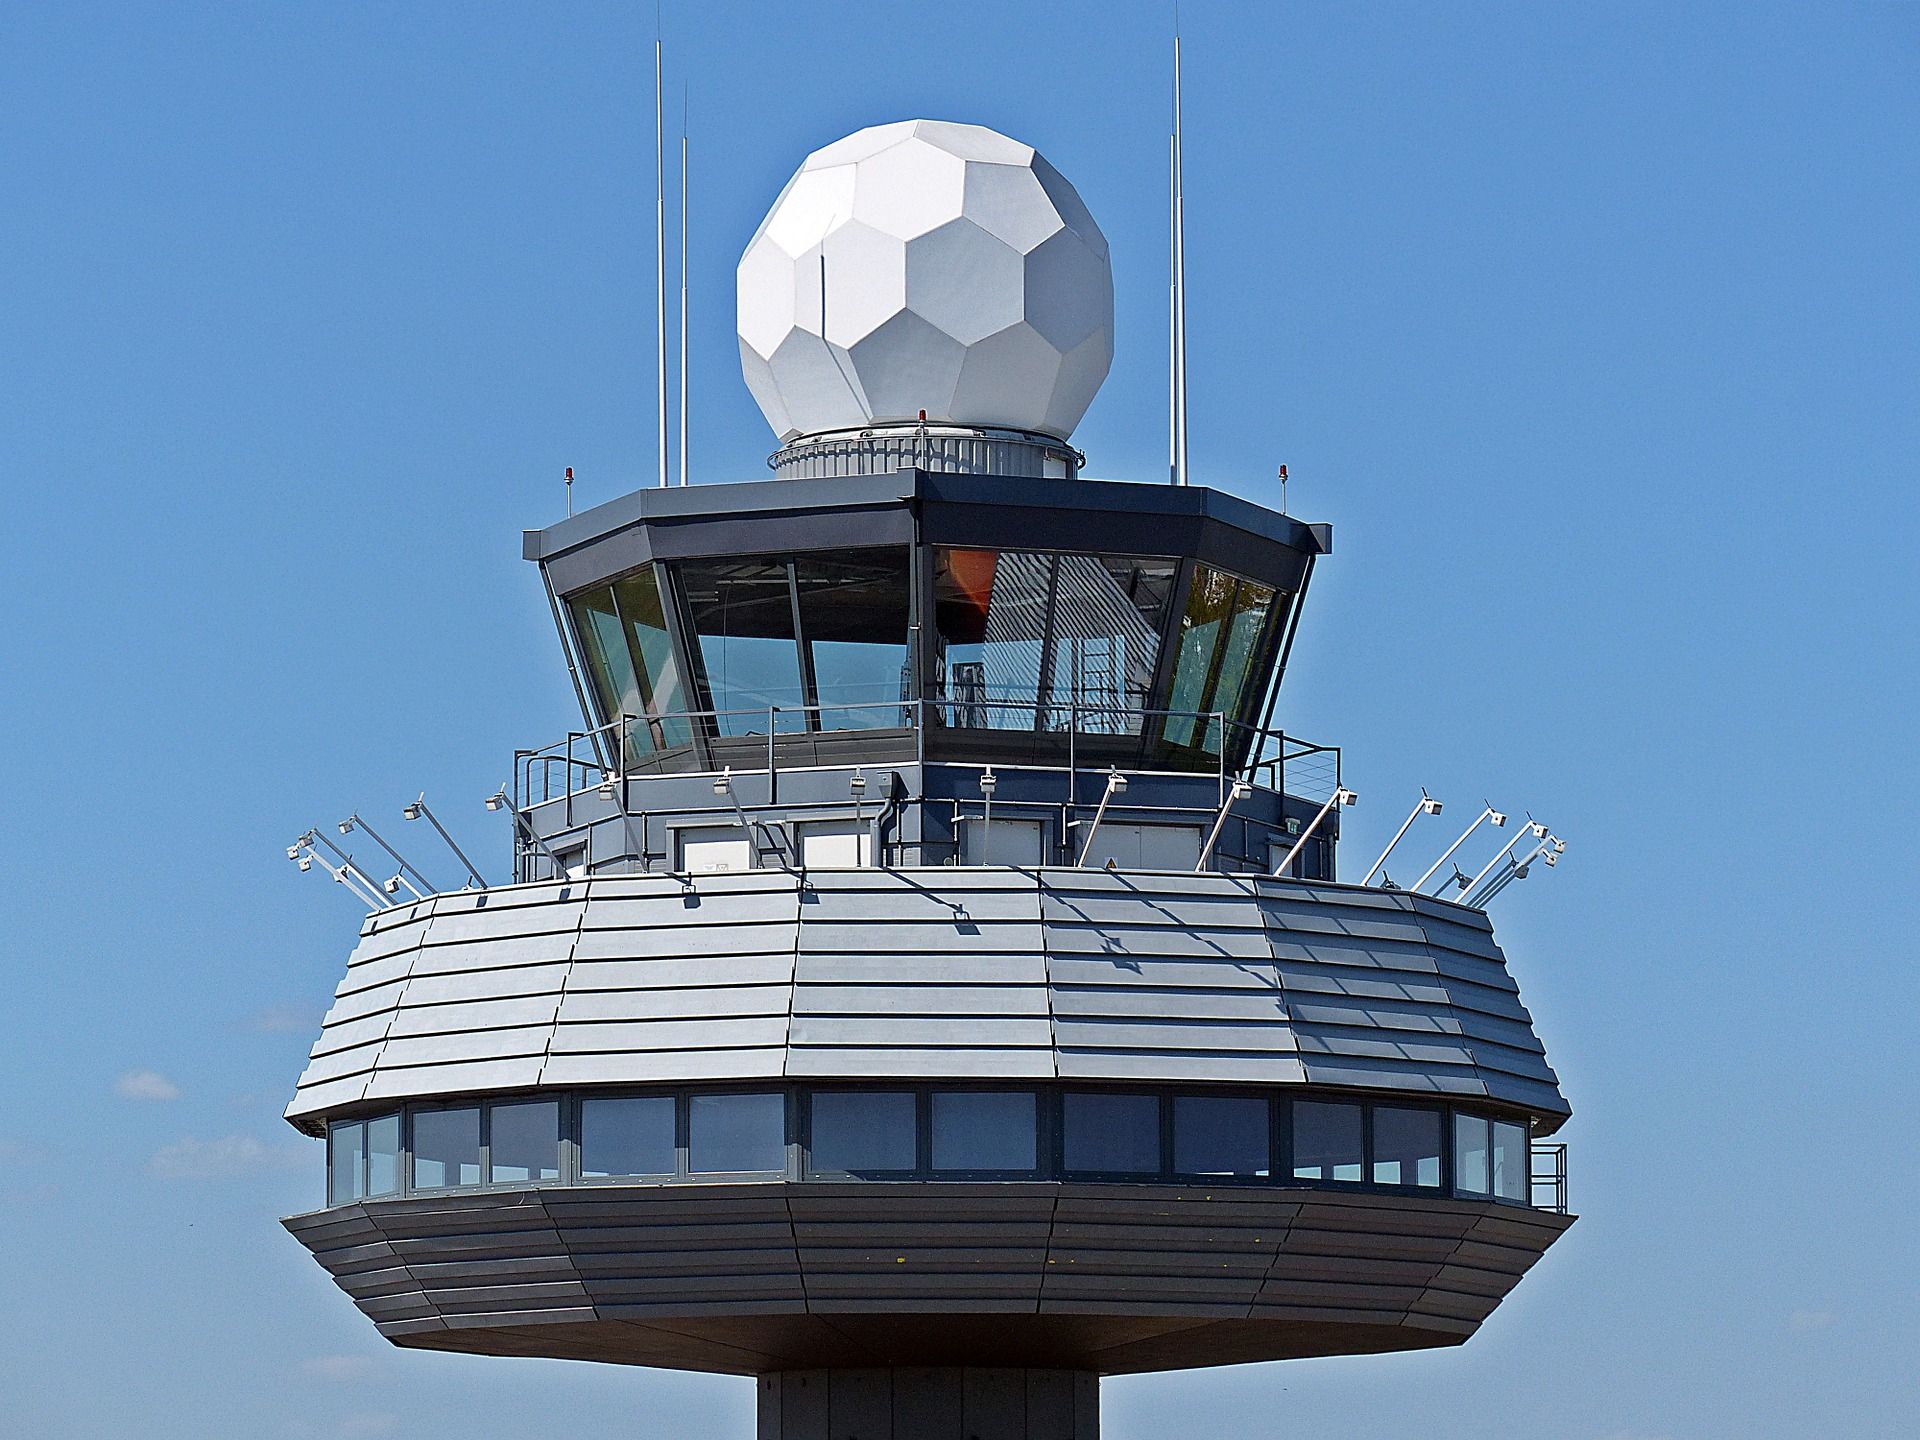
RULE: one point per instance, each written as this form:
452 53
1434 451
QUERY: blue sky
1592 330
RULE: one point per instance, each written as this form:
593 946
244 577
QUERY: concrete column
947 1403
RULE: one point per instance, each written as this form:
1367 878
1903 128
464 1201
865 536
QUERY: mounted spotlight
1239 790
497 800
391 885
306 862
609 786
415 810
1116 785
723 782
1341 796
1426 806
346 826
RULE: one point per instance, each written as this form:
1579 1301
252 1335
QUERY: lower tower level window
1328 1141
446 1148
732 1134
985 1131
630 1135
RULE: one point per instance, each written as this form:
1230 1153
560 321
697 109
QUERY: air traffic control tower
924 982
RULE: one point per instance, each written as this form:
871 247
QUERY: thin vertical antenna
1179 274
683 284
660 243
1173 317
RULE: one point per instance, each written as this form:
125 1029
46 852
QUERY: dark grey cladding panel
728 1277
946 972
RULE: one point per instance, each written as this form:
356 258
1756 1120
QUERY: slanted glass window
1109 1134
1509 1160
861 1132
1406 1146
853 615
736 1133
988 1130
346 1162
446 1148
1219 639
627 1136
1326 1141
624 640
1027 640
383 1155
741 612
1221 1135
1472 1166
523 1142
645 619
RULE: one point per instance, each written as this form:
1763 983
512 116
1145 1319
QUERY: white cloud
145 1085
337 1367
1810 1320
224 1159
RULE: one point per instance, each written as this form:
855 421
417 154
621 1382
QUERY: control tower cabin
924 983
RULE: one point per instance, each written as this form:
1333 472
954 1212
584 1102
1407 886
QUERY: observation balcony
820 785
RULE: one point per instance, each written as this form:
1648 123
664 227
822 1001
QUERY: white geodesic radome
926 265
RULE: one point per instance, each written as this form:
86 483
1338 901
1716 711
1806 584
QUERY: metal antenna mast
1179 277
660 243
683 284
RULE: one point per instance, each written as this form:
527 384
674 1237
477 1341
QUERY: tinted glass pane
728 1133
615 683
990 621
1406 1146
346 1162
854 612
1220 631
742 616
628 1136
1509 1161
1220 1135
383 1155
984 1130
446 1148
1113 1134
645 621
861 1131
1107 621
1470 1161
523 1142
1326 1141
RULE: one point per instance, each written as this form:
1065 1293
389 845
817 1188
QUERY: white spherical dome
932 266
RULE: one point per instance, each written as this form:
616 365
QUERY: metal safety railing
1547 1176
746 741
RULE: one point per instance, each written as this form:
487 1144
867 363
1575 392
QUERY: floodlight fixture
610 785
1533 827
1341 796
1237 792
723 782
858 784
1116 785
306 863
497 800
1548 849
989 782
407 868
1427 806
1499 820
418 810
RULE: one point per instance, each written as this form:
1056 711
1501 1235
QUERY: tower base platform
935 1403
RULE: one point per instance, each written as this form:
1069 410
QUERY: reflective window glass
862 1131
1109 1134
1026 639
1326 1141
853 612
728 1134
1219 635
1221 1135
1107 619
346 1162
741 611
1509 1161
645 619
1406 1146
627 1136
990 620
1471 1165
383 1155
523 1142
446 1148
984 1130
